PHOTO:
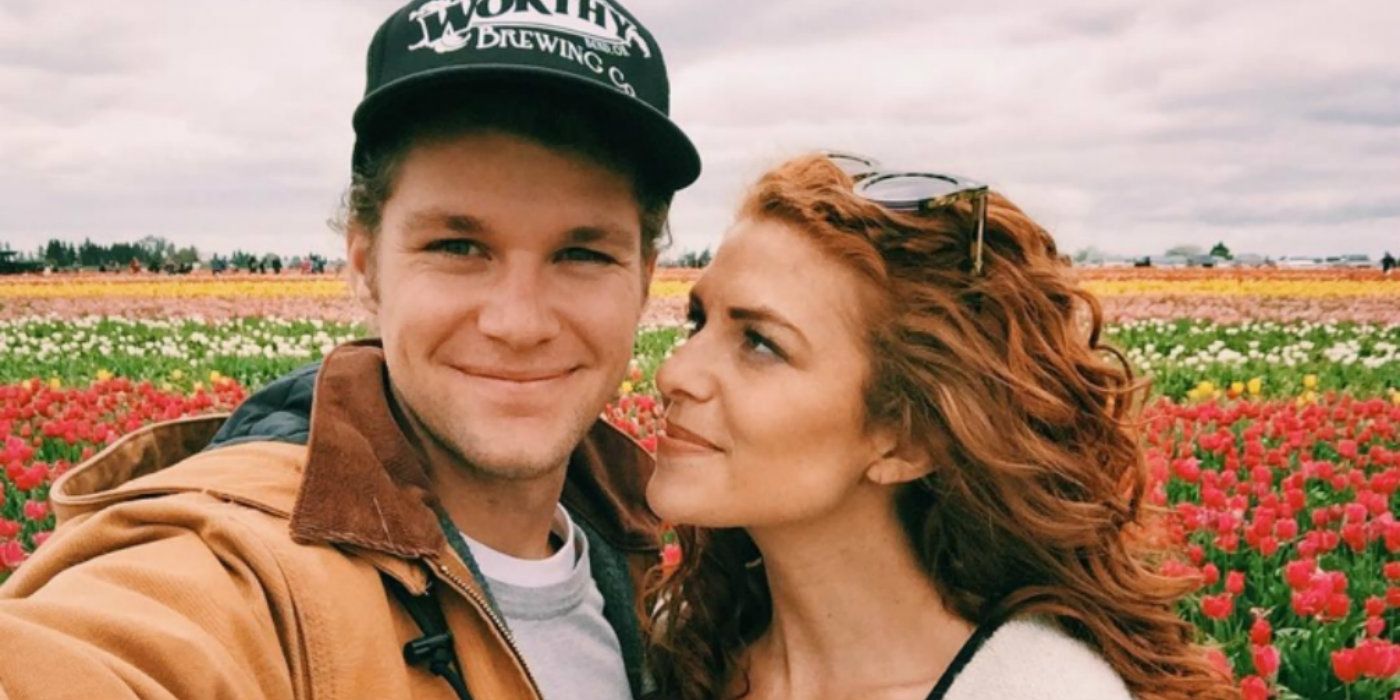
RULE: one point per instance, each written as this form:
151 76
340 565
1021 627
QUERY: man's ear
897 461
359 251
648 271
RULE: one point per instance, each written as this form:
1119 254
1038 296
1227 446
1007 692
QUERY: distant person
1387 263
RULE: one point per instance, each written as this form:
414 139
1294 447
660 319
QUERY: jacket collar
364 485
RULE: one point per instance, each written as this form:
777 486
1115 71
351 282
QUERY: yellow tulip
1256 386
27 385
103 375
177 375
1236 388
626 388
198 386
55 383
215 377
1310 381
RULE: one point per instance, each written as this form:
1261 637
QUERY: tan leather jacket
254 570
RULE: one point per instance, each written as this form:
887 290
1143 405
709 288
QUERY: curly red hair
1003 380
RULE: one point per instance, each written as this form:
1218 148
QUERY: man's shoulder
278 412
1034 659
164 460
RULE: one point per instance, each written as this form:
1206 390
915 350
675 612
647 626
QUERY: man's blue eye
456 246
584 255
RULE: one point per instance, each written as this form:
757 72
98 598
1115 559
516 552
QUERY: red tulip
1347 449
1374 626
1189 470
36 510
1266 660
1217 658
1375 606
1197 555
1261 633
1298 573
11 555
1234 582
8 529
1392 570
1210 574
1217 607
1254 688
1268 546
1338 605
1355 512
1377 658
1345 666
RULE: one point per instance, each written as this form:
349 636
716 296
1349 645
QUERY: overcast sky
1273 125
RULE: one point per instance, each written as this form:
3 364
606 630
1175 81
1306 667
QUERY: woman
900 462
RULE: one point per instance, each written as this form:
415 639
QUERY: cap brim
665 152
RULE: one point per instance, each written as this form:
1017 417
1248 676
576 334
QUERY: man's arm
160 598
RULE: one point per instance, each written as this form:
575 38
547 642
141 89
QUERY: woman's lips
679 440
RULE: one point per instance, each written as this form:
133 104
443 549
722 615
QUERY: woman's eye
585 255
456 246
755 341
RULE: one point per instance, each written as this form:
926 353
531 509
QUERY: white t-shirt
555 613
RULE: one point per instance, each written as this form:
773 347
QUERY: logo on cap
452 25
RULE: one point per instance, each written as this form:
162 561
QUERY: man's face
507 280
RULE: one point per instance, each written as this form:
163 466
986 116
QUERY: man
445 515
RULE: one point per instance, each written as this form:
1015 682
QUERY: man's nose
518 312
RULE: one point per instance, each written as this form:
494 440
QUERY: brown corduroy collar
364 484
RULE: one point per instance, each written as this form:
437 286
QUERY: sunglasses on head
916 192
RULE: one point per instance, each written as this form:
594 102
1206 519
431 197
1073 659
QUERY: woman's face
765 408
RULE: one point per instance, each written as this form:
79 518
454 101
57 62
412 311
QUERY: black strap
969 649
435 647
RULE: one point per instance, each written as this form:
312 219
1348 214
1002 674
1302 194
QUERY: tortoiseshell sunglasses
914 191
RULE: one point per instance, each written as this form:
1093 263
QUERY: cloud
1274 126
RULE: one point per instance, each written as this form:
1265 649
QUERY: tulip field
1271 439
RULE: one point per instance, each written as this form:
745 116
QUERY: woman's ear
897 461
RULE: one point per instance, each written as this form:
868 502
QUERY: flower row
1284 518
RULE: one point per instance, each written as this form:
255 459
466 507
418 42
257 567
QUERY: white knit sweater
1032 659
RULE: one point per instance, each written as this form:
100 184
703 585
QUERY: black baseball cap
595 49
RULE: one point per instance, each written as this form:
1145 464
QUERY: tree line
152 253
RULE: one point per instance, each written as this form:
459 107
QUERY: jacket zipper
499 624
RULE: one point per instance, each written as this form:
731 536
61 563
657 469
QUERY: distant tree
1185 250
242 260
1087 254
692 258
59 254
186 256
1222 251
